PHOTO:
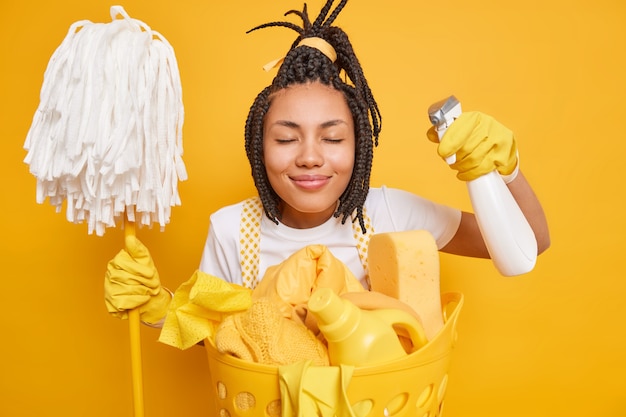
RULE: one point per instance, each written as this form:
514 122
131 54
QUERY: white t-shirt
389 209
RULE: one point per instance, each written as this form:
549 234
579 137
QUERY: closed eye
332 140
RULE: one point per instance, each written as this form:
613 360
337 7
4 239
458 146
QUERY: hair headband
314 42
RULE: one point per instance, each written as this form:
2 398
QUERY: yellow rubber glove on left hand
481 145
132 281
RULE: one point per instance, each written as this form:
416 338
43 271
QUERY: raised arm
481 145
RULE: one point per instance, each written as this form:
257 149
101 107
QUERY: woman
309 138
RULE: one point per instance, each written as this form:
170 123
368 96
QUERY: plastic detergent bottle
362 337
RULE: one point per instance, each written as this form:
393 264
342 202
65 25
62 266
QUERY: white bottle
509 238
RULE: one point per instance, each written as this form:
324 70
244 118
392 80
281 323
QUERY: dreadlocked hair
305 64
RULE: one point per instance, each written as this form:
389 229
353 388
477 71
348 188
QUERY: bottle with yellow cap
362 337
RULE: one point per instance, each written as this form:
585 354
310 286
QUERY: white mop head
107 135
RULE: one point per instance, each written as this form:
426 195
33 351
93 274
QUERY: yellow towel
307 390
198 306
260 334
273 330
290 283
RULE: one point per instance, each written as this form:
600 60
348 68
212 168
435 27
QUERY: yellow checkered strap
250 240
363 240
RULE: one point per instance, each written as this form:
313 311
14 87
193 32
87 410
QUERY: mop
106 138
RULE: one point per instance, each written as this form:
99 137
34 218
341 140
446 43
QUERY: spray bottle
509 238
362 337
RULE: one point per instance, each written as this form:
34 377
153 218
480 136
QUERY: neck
301 220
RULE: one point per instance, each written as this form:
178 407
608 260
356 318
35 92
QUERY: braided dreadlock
305 64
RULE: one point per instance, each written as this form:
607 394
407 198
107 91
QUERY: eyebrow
294 125
331 123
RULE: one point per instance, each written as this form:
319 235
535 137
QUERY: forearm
531 207
468 240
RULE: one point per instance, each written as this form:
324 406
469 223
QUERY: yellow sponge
405 265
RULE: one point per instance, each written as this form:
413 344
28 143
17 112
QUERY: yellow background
550 343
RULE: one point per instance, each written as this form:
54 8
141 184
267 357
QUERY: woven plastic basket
413 386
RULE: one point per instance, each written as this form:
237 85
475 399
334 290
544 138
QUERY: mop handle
134 325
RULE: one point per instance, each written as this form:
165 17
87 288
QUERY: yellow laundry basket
413 386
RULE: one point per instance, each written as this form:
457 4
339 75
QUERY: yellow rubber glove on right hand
481 144
132 281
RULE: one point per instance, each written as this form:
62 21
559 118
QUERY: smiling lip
310 182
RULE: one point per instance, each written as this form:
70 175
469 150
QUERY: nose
310 154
